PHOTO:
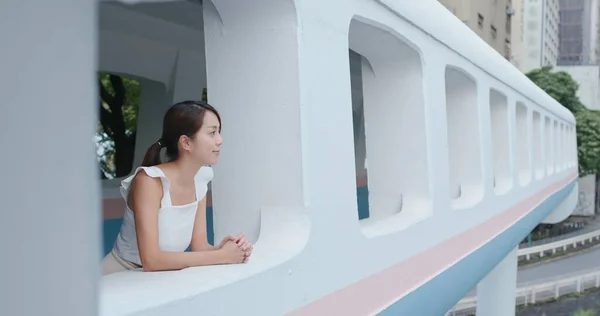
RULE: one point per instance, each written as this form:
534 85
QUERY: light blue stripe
440 294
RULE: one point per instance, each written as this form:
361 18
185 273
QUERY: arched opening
556 141
573 146
563 139
522 129
548 144
538 163
464 147
358 124
389 128
254 84
500 128
169 68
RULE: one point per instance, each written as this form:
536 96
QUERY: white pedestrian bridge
465 156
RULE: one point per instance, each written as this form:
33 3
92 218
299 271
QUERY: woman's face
206 144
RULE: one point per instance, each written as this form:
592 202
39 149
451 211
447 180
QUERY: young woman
166 202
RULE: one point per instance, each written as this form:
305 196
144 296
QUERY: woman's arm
145 196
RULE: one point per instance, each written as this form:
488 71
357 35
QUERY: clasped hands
238 247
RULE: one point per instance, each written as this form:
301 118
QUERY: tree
559 85
118 105
116 132
588 140
563 88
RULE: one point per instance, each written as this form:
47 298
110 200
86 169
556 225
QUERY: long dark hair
183 118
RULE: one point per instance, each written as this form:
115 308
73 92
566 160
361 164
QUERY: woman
166 202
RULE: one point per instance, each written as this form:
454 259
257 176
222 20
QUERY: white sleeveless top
175 223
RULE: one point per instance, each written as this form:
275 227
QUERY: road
558 267
573 264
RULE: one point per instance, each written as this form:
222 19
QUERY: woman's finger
244 245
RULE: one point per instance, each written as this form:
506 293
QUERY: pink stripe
373 294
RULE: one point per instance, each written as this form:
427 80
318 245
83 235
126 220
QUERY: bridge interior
475 164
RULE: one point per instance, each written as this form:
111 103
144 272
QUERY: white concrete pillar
496 292
329 158
189 75
187 81
253 80
154 101
50 225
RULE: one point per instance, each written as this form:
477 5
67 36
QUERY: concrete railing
539 291
541 250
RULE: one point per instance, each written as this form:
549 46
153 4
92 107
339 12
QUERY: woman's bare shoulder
145 182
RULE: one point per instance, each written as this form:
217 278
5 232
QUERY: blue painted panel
110 231
362 199
209 225
440 294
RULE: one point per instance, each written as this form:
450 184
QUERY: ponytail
152 157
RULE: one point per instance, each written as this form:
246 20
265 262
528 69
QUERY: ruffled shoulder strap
153 172
201 180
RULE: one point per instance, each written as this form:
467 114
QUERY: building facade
579 29
490 19
535 35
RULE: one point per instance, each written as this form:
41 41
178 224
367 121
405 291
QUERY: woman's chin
212 162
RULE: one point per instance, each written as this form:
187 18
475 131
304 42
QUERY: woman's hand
246 246
228 239
232 253
242 244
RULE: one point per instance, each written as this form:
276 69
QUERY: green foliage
584 312
115 138
588 140
132 99
562 87
559 85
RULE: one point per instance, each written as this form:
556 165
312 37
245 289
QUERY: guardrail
548 240
539 291
553 247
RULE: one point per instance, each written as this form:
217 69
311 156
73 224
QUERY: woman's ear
185 142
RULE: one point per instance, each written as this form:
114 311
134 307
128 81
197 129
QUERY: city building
535 34
579 29
490 19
